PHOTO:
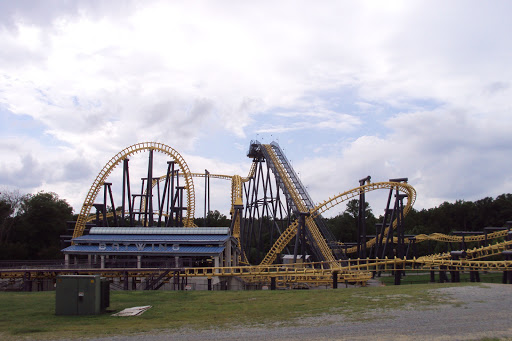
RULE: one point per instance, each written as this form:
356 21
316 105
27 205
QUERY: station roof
151 238
168 241
141 230
146 249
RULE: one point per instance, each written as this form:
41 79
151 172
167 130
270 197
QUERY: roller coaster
272 214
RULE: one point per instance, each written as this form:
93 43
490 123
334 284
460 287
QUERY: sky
416 89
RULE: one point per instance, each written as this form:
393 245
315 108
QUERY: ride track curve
290 232
115 161
445 238
440 237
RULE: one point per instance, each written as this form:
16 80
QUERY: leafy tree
353 208
10 205
36 228
5 221
344 226
214 219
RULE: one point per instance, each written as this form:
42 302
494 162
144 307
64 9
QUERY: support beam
335 280
272 283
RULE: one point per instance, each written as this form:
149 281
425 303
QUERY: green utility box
81 295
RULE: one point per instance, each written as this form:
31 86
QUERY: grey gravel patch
467 313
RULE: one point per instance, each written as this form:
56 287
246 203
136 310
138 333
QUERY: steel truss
155 204
266 216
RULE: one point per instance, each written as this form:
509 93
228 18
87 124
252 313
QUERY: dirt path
470 313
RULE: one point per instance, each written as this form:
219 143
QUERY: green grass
32 315
412 278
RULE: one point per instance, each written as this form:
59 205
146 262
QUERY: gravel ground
470 313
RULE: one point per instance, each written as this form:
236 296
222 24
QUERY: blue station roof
169 241
161 230
145 249
182 239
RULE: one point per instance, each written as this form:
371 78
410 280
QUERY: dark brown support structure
361 221
206 196
149 191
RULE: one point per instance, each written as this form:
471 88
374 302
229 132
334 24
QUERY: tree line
31 225
448 217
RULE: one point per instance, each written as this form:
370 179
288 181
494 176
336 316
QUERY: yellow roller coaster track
440 237
290 232
475 253
445 238
422 264
356 271
250 274
114 162
299 203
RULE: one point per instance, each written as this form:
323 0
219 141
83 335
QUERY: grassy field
413 278
32 315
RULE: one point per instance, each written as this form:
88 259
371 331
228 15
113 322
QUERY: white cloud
418 89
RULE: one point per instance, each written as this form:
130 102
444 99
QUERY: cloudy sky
417 89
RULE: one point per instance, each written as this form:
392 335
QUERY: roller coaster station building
138 249
141 247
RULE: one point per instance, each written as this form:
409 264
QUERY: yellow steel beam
299 203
